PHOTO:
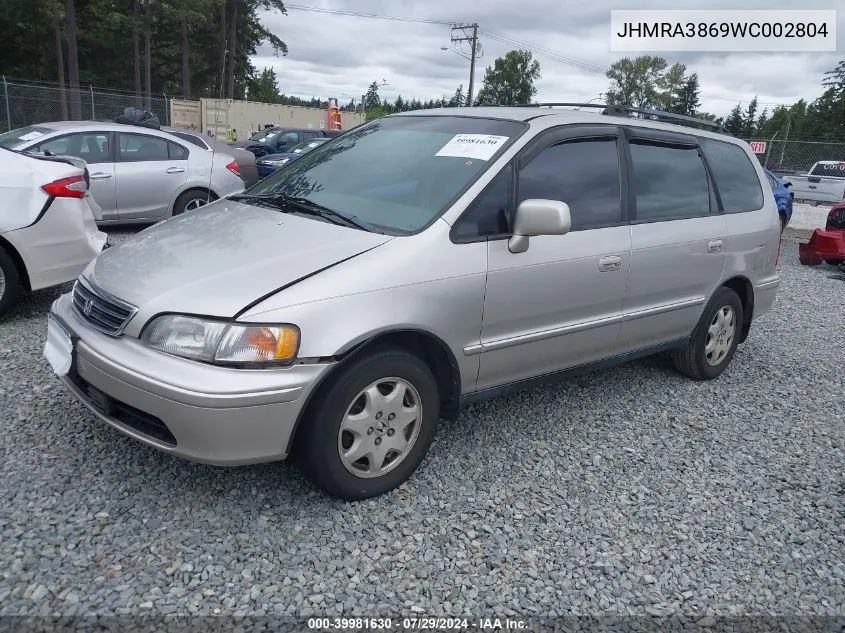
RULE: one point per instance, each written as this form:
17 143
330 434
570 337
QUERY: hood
219 259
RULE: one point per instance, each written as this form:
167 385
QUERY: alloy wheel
720 335
380 427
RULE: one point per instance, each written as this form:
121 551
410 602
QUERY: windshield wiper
307 207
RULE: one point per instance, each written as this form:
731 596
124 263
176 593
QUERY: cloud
339 56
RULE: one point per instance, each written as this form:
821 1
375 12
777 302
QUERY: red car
826 245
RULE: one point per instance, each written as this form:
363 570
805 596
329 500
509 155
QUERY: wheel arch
188 189
15 256
428 347
742 286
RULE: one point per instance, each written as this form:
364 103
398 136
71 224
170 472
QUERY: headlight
222 343
277 163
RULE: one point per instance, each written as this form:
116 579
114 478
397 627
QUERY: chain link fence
25 103
797 157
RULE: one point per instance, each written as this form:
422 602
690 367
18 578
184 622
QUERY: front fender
449 310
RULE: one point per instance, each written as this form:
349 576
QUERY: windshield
396 173
22 135
306 146
264 135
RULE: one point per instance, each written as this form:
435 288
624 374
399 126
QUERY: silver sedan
138 174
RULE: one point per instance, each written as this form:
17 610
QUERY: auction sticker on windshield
480 146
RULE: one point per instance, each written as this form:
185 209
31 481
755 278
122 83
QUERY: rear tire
783 222
714 340
193 199
11 287
372 426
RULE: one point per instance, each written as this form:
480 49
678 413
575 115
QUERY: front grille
836 220
127 415
100 310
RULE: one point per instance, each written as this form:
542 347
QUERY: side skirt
557 376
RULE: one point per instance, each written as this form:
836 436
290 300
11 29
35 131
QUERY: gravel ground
630 490
805 216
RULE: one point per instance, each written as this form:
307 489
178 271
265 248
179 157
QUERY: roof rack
681 119
626 110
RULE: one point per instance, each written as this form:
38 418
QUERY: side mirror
786 183
538 217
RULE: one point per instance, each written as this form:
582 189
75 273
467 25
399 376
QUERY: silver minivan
413 265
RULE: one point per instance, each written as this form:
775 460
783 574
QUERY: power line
356 14
544 52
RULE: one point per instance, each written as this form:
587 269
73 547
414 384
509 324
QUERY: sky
339 56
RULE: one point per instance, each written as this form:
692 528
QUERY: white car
138 175
48 232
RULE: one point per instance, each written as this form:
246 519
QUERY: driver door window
491 214
92 147
287 140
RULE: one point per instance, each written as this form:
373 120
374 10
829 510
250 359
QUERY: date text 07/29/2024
416 624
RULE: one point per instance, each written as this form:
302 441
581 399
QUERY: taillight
233 167
73 187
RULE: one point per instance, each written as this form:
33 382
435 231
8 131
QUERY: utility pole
473 40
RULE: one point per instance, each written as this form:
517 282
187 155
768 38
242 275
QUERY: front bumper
207 414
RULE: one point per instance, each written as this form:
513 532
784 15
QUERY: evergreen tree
735 122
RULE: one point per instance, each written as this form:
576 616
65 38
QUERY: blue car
783 197
270 164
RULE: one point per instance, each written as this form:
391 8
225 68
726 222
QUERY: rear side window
772 182
829 169
177 152
583 174
670 182
735 176
191 138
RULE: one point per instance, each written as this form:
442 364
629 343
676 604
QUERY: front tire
191 200
11 287
371 427
714 340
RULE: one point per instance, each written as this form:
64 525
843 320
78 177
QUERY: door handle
715 246
174 170
99 175
610 263
813 187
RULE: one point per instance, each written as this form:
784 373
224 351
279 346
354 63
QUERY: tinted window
583 174
290 138
669 182
772 182
398 173
735 176
490 214
191 138
93 146
177 152
138 147
829 169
